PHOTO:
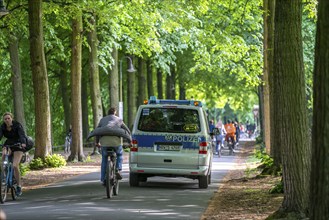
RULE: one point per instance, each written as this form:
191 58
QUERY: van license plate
168 147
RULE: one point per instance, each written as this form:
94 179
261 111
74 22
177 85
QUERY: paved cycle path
83 197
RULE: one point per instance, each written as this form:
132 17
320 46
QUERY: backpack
29 143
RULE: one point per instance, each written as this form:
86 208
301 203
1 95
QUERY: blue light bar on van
154 100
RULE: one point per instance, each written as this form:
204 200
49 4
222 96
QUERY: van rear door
168 137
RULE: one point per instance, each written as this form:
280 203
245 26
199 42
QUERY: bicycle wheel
3 186
115 182
109 180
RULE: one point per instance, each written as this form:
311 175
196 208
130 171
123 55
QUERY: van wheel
133 179
203 182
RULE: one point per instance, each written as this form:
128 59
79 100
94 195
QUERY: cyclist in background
230 131
221 135
237 131
113 121
14 132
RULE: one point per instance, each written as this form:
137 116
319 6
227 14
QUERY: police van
171 138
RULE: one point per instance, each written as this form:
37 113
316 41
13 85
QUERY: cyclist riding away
14 132
111 121
230 131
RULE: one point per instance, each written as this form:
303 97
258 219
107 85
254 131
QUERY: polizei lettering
182 138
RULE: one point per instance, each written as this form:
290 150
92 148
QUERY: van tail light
134 147
203 148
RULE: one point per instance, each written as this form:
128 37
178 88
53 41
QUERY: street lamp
3 10
130 69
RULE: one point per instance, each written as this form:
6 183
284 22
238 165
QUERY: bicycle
7 178
230 144
67 144
111 180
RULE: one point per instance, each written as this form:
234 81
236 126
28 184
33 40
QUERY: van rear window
171 120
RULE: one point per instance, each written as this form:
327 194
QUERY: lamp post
130 69
3 10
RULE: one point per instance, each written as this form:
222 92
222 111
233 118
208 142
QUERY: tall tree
269 114
76 74
141 82
96 101
131 97
16 79
159 84
290 112
40 81
319 196
149 74
114 81
64 88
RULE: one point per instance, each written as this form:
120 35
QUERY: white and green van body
171 138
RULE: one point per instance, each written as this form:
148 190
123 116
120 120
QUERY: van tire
133 179
203 182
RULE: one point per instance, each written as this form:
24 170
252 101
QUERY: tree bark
274 143
181 83
16 79
141 82
65 93
114 81
131 98
319 196
77 145
159 84
40 81
150 89
168 86
290 111
95 91
173 82
84 105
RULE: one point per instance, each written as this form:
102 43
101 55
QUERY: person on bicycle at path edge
14 132
230 131
113 121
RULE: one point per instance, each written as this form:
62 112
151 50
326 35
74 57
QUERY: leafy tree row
67 54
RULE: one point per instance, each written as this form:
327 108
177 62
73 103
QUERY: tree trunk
84 106
65 93
77 145
114 81
181 83
159 84
141 82
275 145
96 101
16 79
173 82
150 89
319 196
168 86
131 98
40 81
290 111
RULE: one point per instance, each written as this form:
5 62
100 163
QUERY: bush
278 188
37 164
55 160
268 166
23 167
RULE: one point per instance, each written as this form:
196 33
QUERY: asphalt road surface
83 197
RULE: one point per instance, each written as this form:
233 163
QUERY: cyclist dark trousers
105 155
